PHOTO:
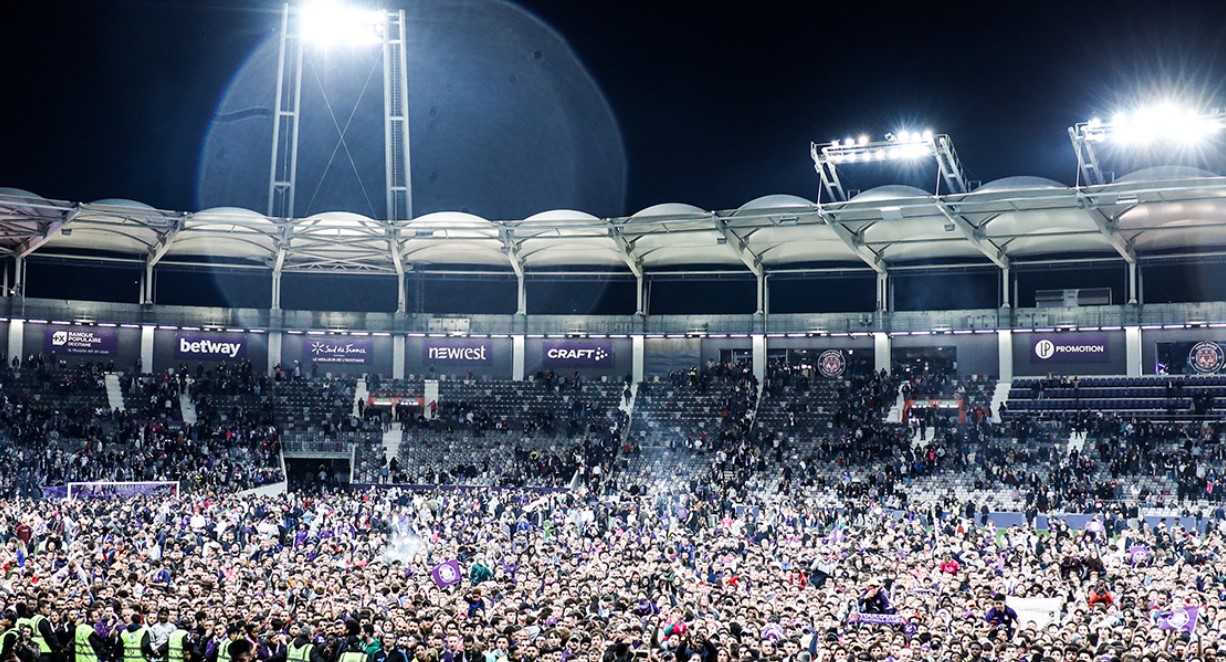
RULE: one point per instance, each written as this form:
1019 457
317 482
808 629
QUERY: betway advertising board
1069 348
352 352
195 347
457 352
578 354
82 342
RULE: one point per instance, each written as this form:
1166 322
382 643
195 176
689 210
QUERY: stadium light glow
902 145
329 23
1165 123
1161 126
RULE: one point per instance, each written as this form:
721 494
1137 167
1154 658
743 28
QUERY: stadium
975 421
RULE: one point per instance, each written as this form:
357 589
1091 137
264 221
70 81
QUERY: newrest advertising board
88 342
1072 348
457 352
577 354
328 351
196 347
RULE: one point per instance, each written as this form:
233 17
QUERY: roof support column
276 289
147 288
19 276
1132 283
762 292
1005 288
883 292
521 293
639 295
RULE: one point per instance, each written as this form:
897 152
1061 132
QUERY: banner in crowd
106 490
457 352
338 351
1138 554
447 573
875 619
210 348
578 354
1069 348
82 341
1039 611
1179 618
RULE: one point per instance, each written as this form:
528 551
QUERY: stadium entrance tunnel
317 474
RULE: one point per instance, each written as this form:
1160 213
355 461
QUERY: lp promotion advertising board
1069 348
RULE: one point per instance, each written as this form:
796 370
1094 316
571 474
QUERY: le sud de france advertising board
87 342
193 347
1069 348
594 354
351 352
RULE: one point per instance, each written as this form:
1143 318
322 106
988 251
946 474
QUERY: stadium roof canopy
1153 213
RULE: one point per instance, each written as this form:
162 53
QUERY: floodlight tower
327 24
1162 125
905 145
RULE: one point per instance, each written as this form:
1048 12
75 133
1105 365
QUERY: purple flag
1179 618
1138 554
447 573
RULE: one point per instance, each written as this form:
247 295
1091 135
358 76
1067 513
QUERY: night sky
717 102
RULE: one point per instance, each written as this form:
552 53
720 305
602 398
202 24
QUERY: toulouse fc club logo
831 363
1206 357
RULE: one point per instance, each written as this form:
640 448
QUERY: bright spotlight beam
329 23
1162 125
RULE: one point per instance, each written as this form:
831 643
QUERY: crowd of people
788 544
488 575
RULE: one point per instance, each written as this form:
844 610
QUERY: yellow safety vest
12 634
300 653
223 650
82 649
35 622
132 649
353 656
174 646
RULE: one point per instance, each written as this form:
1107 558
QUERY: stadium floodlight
902 145
329 23
1161 125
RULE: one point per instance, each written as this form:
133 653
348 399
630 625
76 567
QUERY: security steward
134 643
41 633
302 649
181 644
353 652
87 646
9 634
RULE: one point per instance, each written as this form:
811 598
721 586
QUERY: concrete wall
977 354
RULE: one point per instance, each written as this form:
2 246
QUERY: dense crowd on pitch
710 575
56 428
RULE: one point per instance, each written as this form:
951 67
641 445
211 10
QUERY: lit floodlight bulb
849 141
863 139
904 136
1119 119
329 23
1094 123
834 143
927 135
